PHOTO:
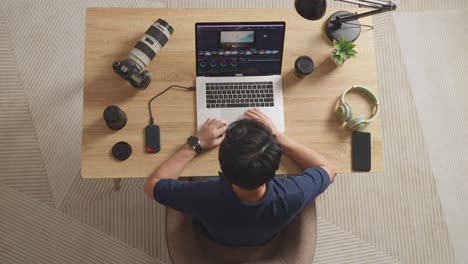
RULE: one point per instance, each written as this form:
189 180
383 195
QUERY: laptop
238 67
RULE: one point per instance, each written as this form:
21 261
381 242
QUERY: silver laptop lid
239 48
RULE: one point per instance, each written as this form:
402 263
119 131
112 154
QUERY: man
247 205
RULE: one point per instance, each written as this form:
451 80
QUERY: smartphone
361 151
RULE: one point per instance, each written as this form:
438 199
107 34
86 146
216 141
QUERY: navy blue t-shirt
232 222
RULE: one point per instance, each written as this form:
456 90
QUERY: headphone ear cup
356 122
344 112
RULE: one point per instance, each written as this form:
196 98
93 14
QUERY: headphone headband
370 95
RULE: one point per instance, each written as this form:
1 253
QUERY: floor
412 212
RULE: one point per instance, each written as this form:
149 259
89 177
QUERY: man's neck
249 196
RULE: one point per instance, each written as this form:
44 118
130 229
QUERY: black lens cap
121 150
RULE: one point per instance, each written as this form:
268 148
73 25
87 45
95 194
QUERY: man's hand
259 116
212 133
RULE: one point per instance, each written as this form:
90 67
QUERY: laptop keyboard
239 94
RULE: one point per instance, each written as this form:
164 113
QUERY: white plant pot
337 63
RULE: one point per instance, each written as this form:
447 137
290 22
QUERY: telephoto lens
149 45
133 69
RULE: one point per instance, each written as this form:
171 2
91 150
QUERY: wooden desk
309 103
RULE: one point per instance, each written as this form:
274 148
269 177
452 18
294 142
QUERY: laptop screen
243 48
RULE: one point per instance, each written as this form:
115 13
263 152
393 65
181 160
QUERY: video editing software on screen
239 49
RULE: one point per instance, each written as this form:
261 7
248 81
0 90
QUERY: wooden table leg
117 183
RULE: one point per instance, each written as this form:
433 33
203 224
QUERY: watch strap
197 148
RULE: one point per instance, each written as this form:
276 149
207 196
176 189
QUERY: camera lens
149 45
115 118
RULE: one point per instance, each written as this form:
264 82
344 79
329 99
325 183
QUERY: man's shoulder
182 183
195 187
298 183
172 189
284 185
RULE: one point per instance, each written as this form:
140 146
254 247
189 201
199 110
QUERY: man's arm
210 135
302 155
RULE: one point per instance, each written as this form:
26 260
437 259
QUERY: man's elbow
149 187
331 172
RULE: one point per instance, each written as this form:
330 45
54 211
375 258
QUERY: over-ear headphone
344 112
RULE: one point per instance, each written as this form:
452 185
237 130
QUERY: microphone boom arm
381 6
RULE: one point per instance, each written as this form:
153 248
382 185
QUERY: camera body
128 70
133 68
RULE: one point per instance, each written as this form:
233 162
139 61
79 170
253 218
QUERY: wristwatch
194 142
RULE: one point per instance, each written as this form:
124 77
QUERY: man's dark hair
249 154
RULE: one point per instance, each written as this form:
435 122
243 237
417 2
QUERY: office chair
187 243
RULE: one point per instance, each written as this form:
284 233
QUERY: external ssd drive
152 139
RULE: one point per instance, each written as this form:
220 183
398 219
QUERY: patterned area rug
48 214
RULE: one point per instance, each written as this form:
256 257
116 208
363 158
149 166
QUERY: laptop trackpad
232 114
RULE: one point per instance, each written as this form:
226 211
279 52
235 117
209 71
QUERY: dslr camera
133 68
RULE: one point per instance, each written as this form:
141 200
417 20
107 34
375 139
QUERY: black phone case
361 151
152 141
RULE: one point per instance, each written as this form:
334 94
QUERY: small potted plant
342 51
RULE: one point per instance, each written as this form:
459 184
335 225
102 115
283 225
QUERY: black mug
115 118
303 66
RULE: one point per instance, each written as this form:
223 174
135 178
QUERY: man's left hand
212 133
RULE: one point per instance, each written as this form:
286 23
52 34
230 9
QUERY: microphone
311 9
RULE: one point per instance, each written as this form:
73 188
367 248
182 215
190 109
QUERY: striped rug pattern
33 232
438 84
21 163
48 214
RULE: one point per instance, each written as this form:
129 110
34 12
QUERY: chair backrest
295 244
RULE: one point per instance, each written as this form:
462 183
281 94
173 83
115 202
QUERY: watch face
192 141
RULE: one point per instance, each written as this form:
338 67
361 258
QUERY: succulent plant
343 50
